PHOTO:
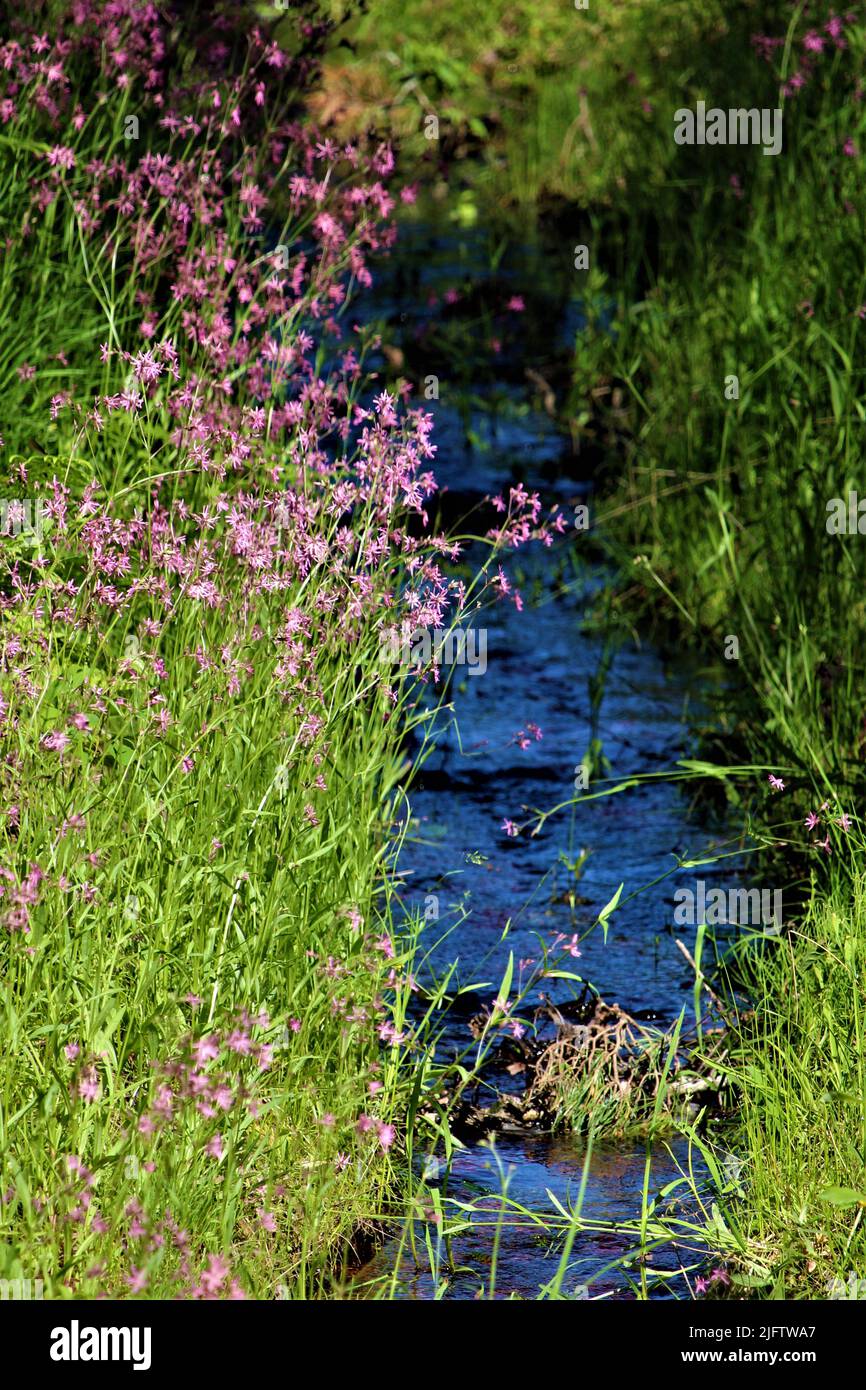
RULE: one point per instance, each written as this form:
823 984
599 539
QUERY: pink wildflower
387 1135
61 157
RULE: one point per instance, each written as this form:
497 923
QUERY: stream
488 896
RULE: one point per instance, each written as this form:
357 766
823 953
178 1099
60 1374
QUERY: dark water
494 896
539 664
527 1171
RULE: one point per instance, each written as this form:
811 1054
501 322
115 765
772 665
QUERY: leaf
556 1202
706 769
610 906
750 1281
505 988
843 1197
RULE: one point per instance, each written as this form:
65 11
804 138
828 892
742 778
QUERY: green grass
539 105
717 509
802 1126
207 1063
216 883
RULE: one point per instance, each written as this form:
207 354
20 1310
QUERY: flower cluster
814 44
825 815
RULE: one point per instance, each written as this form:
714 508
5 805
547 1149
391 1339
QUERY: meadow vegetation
209 511
211 1049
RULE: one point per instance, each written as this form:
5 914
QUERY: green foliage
718 506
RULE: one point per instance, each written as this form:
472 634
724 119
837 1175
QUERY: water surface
490 896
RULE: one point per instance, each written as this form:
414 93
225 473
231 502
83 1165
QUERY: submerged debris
603 1070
